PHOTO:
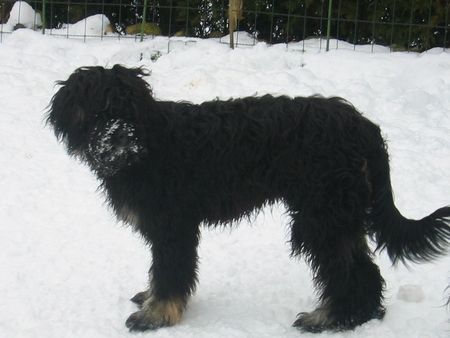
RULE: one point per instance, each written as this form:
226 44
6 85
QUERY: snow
410 293
240 38
22 13
68 268
94 25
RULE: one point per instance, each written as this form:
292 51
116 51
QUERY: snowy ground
68 269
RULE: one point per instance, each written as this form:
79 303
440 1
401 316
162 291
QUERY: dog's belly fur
237 200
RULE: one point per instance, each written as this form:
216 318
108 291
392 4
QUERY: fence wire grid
408 25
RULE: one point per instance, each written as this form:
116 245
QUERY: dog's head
100 114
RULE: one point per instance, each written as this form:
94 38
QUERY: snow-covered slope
68 269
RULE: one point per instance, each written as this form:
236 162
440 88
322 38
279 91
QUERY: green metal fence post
43 17
330 5
144 17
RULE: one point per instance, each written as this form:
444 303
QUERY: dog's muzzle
113 146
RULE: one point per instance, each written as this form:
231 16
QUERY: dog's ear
131 81
125 72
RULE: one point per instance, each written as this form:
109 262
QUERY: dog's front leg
173 275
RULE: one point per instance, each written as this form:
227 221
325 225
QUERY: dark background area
402 24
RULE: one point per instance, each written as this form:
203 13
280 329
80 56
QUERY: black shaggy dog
167 167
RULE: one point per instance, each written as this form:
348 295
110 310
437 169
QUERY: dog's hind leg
173 275
349 283
332 238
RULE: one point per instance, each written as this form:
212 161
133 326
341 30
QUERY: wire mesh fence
412 25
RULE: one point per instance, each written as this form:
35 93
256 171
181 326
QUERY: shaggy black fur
167 166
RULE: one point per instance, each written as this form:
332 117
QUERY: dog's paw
316 321
141 297
155 314
142 321
322 319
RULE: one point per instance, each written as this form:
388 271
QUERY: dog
167 167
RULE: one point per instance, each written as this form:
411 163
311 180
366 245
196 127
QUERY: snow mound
94 25
241 38
22 13
410 293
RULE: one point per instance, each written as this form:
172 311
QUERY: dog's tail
403 238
